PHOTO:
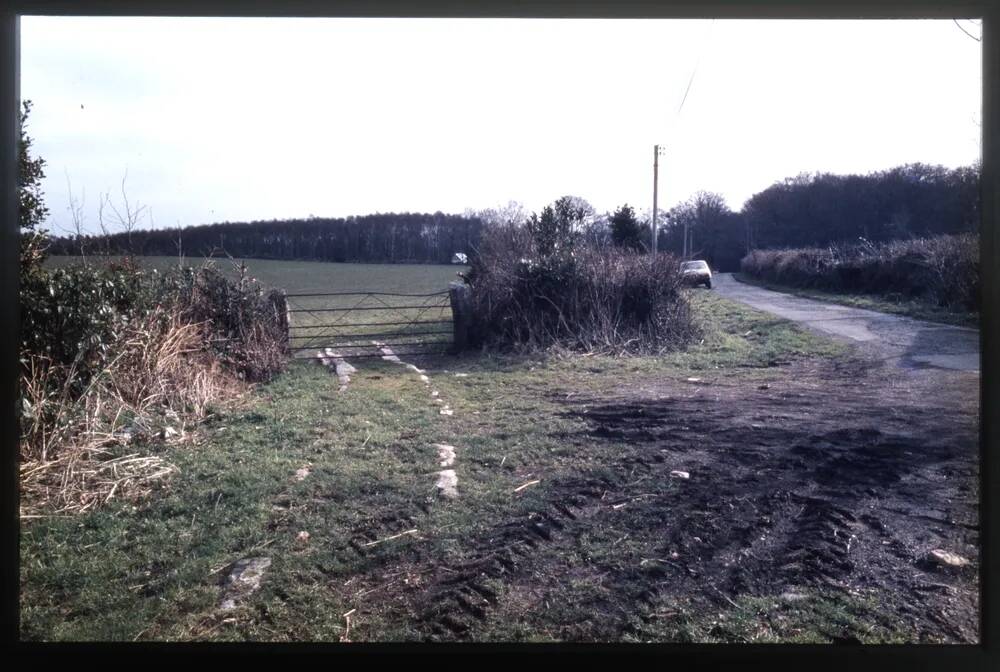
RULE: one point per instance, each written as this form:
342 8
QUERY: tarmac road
903 341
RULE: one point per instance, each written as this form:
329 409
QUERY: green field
320 321
317 276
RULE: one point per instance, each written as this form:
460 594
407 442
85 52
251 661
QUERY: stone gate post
461 310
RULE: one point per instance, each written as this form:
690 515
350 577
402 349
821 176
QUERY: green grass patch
801 617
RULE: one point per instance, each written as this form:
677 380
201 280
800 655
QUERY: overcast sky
242 119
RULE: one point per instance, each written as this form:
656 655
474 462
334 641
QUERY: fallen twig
347 617
395 536
726 598
522 487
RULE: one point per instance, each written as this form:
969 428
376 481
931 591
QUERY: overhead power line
694 72
977 39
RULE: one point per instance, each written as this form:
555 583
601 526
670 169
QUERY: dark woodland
911 201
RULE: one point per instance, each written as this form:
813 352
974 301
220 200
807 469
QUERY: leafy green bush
73 315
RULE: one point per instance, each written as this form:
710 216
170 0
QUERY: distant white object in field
460 258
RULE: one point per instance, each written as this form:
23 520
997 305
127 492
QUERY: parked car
696 273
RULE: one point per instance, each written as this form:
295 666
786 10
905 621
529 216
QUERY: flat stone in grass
447 483
446 454
335 362
387 353
943 558
243 580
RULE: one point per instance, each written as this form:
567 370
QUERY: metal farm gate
356 324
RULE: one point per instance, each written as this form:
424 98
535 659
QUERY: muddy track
822 489
459 597
849 495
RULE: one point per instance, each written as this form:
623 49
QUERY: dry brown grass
79 451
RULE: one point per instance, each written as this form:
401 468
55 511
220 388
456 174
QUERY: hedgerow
531 290
942 270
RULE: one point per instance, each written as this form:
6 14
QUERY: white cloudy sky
239 119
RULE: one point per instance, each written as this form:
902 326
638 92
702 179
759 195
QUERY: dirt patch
835 480
826 480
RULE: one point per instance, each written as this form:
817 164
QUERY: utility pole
656 184
684 247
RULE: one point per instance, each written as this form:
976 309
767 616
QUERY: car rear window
692 265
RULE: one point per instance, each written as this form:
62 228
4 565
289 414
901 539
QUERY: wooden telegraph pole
656 184
684 254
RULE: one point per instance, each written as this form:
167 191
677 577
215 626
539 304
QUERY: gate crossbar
335 334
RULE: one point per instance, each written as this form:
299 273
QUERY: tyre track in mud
833 494
797 503
458 597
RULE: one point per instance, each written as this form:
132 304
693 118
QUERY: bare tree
76 211
512 214
128 217
102 202
180 247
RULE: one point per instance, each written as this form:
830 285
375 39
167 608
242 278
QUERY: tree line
378 238
813 210
808 210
